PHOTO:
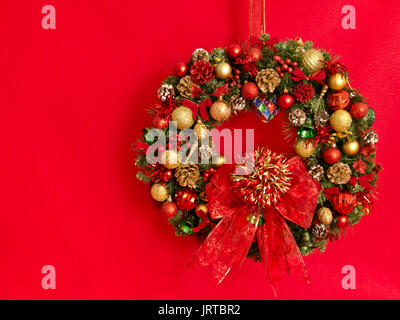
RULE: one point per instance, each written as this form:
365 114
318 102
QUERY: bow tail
228 243
278 249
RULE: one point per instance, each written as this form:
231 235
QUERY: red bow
363 181
231 239
204 216
195 108
298 75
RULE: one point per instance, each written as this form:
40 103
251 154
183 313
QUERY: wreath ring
285 207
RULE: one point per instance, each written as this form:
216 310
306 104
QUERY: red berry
277 58
285 67
295 64
288 61
290 70
281 75
281 61
278 69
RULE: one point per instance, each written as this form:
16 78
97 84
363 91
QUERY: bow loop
298 75
198 107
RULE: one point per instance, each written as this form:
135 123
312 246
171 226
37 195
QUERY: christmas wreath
271 208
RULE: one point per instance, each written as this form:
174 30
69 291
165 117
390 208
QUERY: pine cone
319 231
185 86
321 118
371 137
316 172
165 91
200 54
339 173
303 92
297 117
267 80
202 72
187 175
238 103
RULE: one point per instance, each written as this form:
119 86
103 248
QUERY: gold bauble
183 116
159 192
170 159
201 131
351 147
223 70
220 161
220 110
313 60
203 207
340 120
304 149
325 216
337 81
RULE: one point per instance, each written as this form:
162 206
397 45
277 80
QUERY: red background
72 101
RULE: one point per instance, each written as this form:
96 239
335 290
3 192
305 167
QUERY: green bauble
185 228
305 132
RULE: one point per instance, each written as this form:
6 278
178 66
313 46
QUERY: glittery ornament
170 159
220 110
159 192
267 80
262 179
238 103
303 92
165 91
321 118
325 216
319 231
340 120
339 173
304 149
185 86
183 116
312 60
187 175
200 54
202 72
186 199
201 130
223 70
371 137
316 171
297 117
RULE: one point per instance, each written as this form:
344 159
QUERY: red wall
72 101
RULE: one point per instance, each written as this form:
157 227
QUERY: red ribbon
363 181
230 240
141 146
204 216
318 76
195 107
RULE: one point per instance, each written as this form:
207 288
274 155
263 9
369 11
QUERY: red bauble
285 101
167 175
332 155
181 69
250 90
160 122
343 222
345 202
359 110
254 53
186 199
234 50
169 209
